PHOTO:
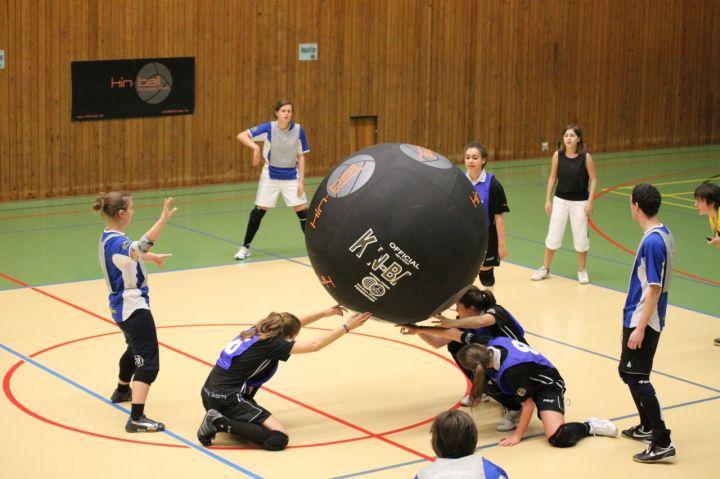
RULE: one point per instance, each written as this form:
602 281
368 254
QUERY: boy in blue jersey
122 264
454 438
643 320
285 146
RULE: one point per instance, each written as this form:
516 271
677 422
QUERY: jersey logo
521 392
139 361
629 364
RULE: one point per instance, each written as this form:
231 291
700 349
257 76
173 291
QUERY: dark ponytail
480 299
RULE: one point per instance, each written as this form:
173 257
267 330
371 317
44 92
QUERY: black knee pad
146 376
561 438
302 214
487 277
276 441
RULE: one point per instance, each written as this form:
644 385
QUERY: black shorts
492 258
549 394
234 406
141 338
637 363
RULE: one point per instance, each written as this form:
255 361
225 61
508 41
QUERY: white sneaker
242 253
602 427
583 276
509 421
465 401
541 274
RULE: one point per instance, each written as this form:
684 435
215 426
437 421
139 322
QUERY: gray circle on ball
350 176
153 83
425 156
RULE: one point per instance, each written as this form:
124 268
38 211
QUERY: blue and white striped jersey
653 265
126 278
280 148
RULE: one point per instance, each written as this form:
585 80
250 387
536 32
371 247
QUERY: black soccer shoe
206 432
655 453
638 433
118 396
144 424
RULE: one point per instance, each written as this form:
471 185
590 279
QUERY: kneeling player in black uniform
523 372
246 363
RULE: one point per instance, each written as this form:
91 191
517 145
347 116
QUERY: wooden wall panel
635 74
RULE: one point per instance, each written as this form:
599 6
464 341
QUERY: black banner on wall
133 88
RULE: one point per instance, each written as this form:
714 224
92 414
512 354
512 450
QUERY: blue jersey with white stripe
281 148
653 265
475 467
125 277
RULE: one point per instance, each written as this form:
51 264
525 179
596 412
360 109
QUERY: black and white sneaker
144 424
207 430
638 433
655 453
118 396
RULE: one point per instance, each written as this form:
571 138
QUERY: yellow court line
699 180
675 195
665 202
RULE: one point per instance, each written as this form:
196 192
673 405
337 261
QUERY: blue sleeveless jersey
517 353
483 191
237 347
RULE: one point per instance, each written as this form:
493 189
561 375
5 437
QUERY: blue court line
120 408
495 444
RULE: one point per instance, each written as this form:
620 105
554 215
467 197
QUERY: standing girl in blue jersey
122 263
249 361
479 318
285 146
520 371
493 198
574 171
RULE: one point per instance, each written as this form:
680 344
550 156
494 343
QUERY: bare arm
651 300
590 165
336 310
451 334
500 227
551 183
142 247
528 407
245 139
301 175
301 347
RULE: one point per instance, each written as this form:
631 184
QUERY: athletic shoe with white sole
602 427
242 253
143 424
583 276
655 453
540 274
638 433
509 421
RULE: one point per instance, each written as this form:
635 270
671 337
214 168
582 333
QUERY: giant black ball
398 230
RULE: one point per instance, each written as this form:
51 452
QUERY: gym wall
635 74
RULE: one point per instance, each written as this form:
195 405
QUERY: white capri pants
561 210
269 190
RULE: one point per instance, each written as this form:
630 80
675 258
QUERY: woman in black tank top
573 171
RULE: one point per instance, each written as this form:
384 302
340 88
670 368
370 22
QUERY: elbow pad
145 244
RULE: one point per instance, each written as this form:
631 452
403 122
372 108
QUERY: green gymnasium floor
55 241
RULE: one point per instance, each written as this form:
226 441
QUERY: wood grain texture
636 74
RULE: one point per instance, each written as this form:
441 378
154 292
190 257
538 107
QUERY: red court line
628 250
194 358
